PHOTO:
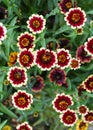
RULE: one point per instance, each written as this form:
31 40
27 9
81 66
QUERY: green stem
7 111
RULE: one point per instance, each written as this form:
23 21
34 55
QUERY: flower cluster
35 66
61 104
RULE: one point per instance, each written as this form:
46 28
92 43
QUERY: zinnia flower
45 59
80 89
89 46
65 5
17 76
88 117
69 117
79 31
75 64
76 18
57 76
61 102
26 41
38 85
36 23
82 109
24 126
2 32
12 58
88 83
81 125
26 58
22 100
63 58
82 55
64 43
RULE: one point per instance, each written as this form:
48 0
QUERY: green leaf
2 124
53 12
90 12
7 111
2 75
62 29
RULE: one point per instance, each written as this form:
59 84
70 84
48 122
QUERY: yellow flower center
90 118
63 104
69 118
91 84
25 42
21 100
36 23
46 57
25 59
68 5
82 109
74 63
76 17
62 58
17 75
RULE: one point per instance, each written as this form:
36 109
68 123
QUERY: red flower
80 89
88 83
63 58
26 41
38 85
2 32
69 117
24 126
58 76
45 59
82 55
88 117
64 43
36 23
26 58
75 64
76 18
89 46
22 100
65 5
17 76
82 109
61 102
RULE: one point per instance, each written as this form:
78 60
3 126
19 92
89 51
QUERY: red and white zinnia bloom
88 117
24 126
26 58
57 76
89 46
63 58
45 59
22 100
3 32
69 117
75 64
17 76
62 102
82 109
65 5
82 55
76 18
88 83
36 23
26 41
